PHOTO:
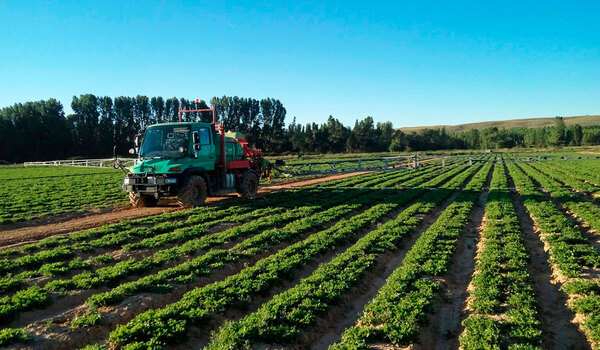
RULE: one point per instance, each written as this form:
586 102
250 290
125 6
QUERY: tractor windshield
165 142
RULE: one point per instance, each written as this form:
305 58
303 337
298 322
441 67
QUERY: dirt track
19 234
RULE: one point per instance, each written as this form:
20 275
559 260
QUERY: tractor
191 161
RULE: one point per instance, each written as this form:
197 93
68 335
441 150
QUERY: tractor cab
191 160
181 142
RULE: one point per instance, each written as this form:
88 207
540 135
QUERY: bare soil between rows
23 233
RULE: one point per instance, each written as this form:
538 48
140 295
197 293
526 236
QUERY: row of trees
98 123
369 137
41 131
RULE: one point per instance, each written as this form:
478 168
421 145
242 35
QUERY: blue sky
410 62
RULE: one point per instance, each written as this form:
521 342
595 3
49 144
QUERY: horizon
411 64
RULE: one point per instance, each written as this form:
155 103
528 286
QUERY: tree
141 111
557 137
577 135
157 106
106 127
397 144
86 110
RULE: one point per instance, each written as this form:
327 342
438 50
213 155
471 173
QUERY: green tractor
192 161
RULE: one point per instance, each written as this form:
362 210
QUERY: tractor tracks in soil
13 235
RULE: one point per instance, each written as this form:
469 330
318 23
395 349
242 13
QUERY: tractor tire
248 187
194 193
139 201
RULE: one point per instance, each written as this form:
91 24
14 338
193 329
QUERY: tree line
366 136
40 130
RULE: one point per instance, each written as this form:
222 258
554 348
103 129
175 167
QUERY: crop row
361 180
401 305
162 223
37 296
251 246
571 254
282 318
129 267
567 178
55 267
245 249
239 289
10 306
582 209
569 249
504 304
171 322
584 170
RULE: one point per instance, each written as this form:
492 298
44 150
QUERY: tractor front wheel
194 193
248 187
139 201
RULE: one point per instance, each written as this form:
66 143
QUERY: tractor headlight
170 180
129 181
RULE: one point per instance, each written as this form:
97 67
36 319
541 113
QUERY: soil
17 234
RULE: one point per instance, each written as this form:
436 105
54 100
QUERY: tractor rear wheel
248 187
194 193
139 201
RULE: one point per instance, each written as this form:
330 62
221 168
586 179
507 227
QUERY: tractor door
206 153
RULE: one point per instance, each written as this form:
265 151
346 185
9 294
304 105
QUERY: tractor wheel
139 201
249 185
194 193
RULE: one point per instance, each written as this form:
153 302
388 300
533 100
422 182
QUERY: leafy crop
32 193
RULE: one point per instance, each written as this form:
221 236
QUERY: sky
410 62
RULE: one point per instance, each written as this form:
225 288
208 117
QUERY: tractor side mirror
136 140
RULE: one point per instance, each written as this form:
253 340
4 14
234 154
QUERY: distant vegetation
525 123
40 130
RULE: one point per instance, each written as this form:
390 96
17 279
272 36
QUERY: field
501 254
33 193
63 192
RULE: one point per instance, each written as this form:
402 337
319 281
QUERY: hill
512 124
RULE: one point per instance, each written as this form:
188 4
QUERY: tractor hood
160 166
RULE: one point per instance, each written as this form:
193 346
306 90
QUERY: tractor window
165 141
204 136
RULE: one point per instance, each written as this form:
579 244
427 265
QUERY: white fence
96 163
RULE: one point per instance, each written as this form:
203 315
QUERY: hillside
512 124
